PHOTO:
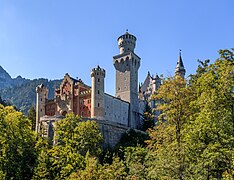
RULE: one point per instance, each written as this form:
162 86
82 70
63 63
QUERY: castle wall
111 132
116 110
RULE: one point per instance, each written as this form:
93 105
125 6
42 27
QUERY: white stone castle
115 114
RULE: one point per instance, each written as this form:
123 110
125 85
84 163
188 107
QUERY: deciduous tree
17 152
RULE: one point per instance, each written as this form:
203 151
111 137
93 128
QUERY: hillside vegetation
21 92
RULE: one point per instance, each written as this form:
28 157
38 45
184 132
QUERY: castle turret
180 70
126 43
127 64
42 96
157 82
97 96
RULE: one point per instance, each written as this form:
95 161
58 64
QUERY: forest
193 137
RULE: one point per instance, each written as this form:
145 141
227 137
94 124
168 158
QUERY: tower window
41 99
98 105
98 92
98 80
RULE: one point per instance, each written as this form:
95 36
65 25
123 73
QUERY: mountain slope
21 92
5 79
24 95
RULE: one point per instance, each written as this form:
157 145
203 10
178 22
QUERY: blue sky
48 38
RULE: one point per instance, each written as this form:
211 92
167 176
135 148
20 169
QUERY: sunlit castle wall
116 110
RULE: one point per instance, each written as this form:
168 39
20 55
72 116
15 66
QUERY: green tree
94 170
135 160
82 136
4 102
167 146
211 132
148 118
17 152
75 138
32 117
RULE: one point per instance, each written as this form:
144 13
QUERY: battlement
98 72
126 43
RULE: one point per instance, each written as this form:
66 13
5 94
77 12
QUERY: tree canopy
192 139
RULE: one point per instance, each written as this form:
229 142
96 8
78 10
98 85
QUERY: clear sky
48 38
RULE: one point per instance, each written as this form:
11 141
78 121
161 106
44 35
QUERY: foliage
196 140
148 118
132 138
211 132
135 160
166 144
82 136
17 153
193 137
32 117
3 102
75 138
94 170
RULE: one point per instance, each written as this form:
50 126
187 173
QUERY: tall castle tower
127 64
180 70
42 96
97 96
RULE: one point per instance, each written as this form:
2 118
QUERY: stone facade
115 114
116 110
127 64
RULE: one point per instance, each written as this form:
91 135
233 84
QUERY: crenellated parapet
126 43
98 72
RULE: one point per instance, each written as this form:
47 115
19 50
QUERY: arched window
64 113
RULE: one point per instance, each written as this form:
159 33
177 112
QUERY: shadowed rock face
5 79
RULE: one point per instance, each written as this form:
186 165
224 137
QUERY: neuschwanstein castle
115 114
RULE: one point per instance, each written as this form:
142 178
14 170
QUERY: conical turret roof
180 70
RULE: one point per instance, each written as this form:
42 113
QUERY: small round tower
97 95
42 96
126 42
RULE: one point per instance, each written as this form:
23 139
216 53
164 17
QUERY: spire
139 88
180 70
